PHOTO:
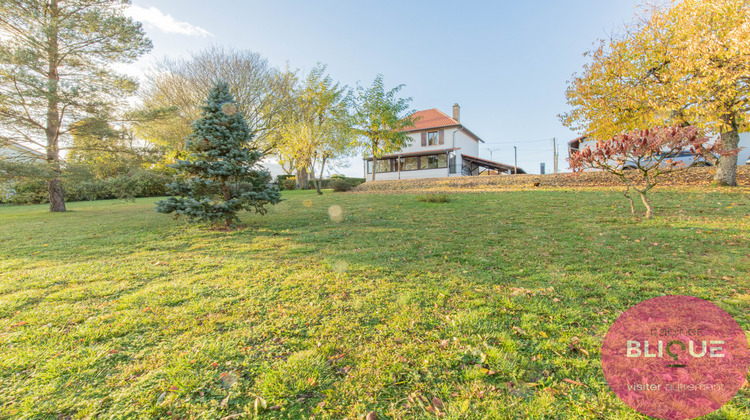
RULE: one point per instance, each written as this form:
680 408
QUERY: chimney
456 112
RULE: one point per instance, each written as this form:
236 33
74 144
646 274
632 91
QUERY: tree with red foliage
649 153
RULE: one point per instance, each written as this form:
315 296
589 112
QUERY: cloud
165 23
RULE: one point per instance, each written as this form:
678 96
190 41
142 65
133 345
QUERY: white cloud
164 22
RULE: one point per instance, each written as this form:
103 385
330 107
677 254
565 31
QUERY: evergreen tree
219 178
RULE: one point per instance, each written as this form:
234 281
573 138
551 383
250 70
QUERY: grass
337 305
434 198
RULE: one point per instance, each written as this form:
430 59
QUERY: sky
505 63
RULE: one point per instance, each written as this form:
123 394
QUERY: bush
139 183
288 183
27 192
342 184
434 198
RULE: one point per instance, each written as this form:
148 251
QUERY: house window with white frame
432 138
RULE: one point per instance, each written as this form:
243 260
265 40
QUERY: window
433 162
383 166
442 161
432 138
453 164
410 164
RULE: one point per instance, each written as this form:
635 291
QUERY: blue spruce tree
220 176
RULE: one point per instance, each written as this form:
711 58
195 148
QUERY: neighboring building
742 157
16 153
19 153
440 147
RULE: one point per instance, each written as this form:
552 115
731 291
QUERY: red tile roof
431 118
434 118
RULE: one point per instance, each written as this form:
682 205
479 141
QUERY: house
19 153
440 146
743 157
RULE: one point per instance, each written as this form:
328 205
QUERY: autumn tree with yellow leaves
686 64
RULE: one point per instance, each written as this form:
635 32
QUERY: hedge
140 183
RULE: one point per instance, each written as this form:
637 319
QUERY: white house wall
17 154
744 154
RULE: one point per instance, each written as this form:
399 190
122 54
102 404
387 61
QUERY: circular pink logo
675 357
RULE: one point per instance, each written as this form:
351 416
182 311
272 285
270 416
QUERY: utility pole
515 158
554 152
492 150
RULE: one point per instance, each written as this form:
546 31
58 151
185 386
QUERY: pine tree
219 178
55 59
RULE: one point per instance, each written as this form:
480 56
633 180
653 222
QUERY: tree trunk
320 177
227 197
374 161
726 170
649 209
314 180
52 130
632 205
302 178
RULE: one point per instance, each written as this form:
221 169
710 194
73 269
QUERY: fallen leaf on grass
487 371
371 416
260 403
573 346
519 330
437 402
572 382
228 379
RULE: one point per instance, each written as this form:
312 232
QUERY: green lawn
115 311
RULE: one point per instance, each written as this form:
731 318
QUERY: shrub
651 153
28 192
434 198
288 184
342 184
139 183
283 184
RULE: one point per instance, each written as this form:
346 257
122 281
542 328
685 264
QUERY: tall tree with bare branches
173 88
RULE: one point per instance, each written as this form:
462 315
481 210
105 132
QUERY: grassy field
491 305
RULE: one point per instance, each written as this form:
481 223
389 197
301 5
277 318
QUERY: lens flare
229 108
336 213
